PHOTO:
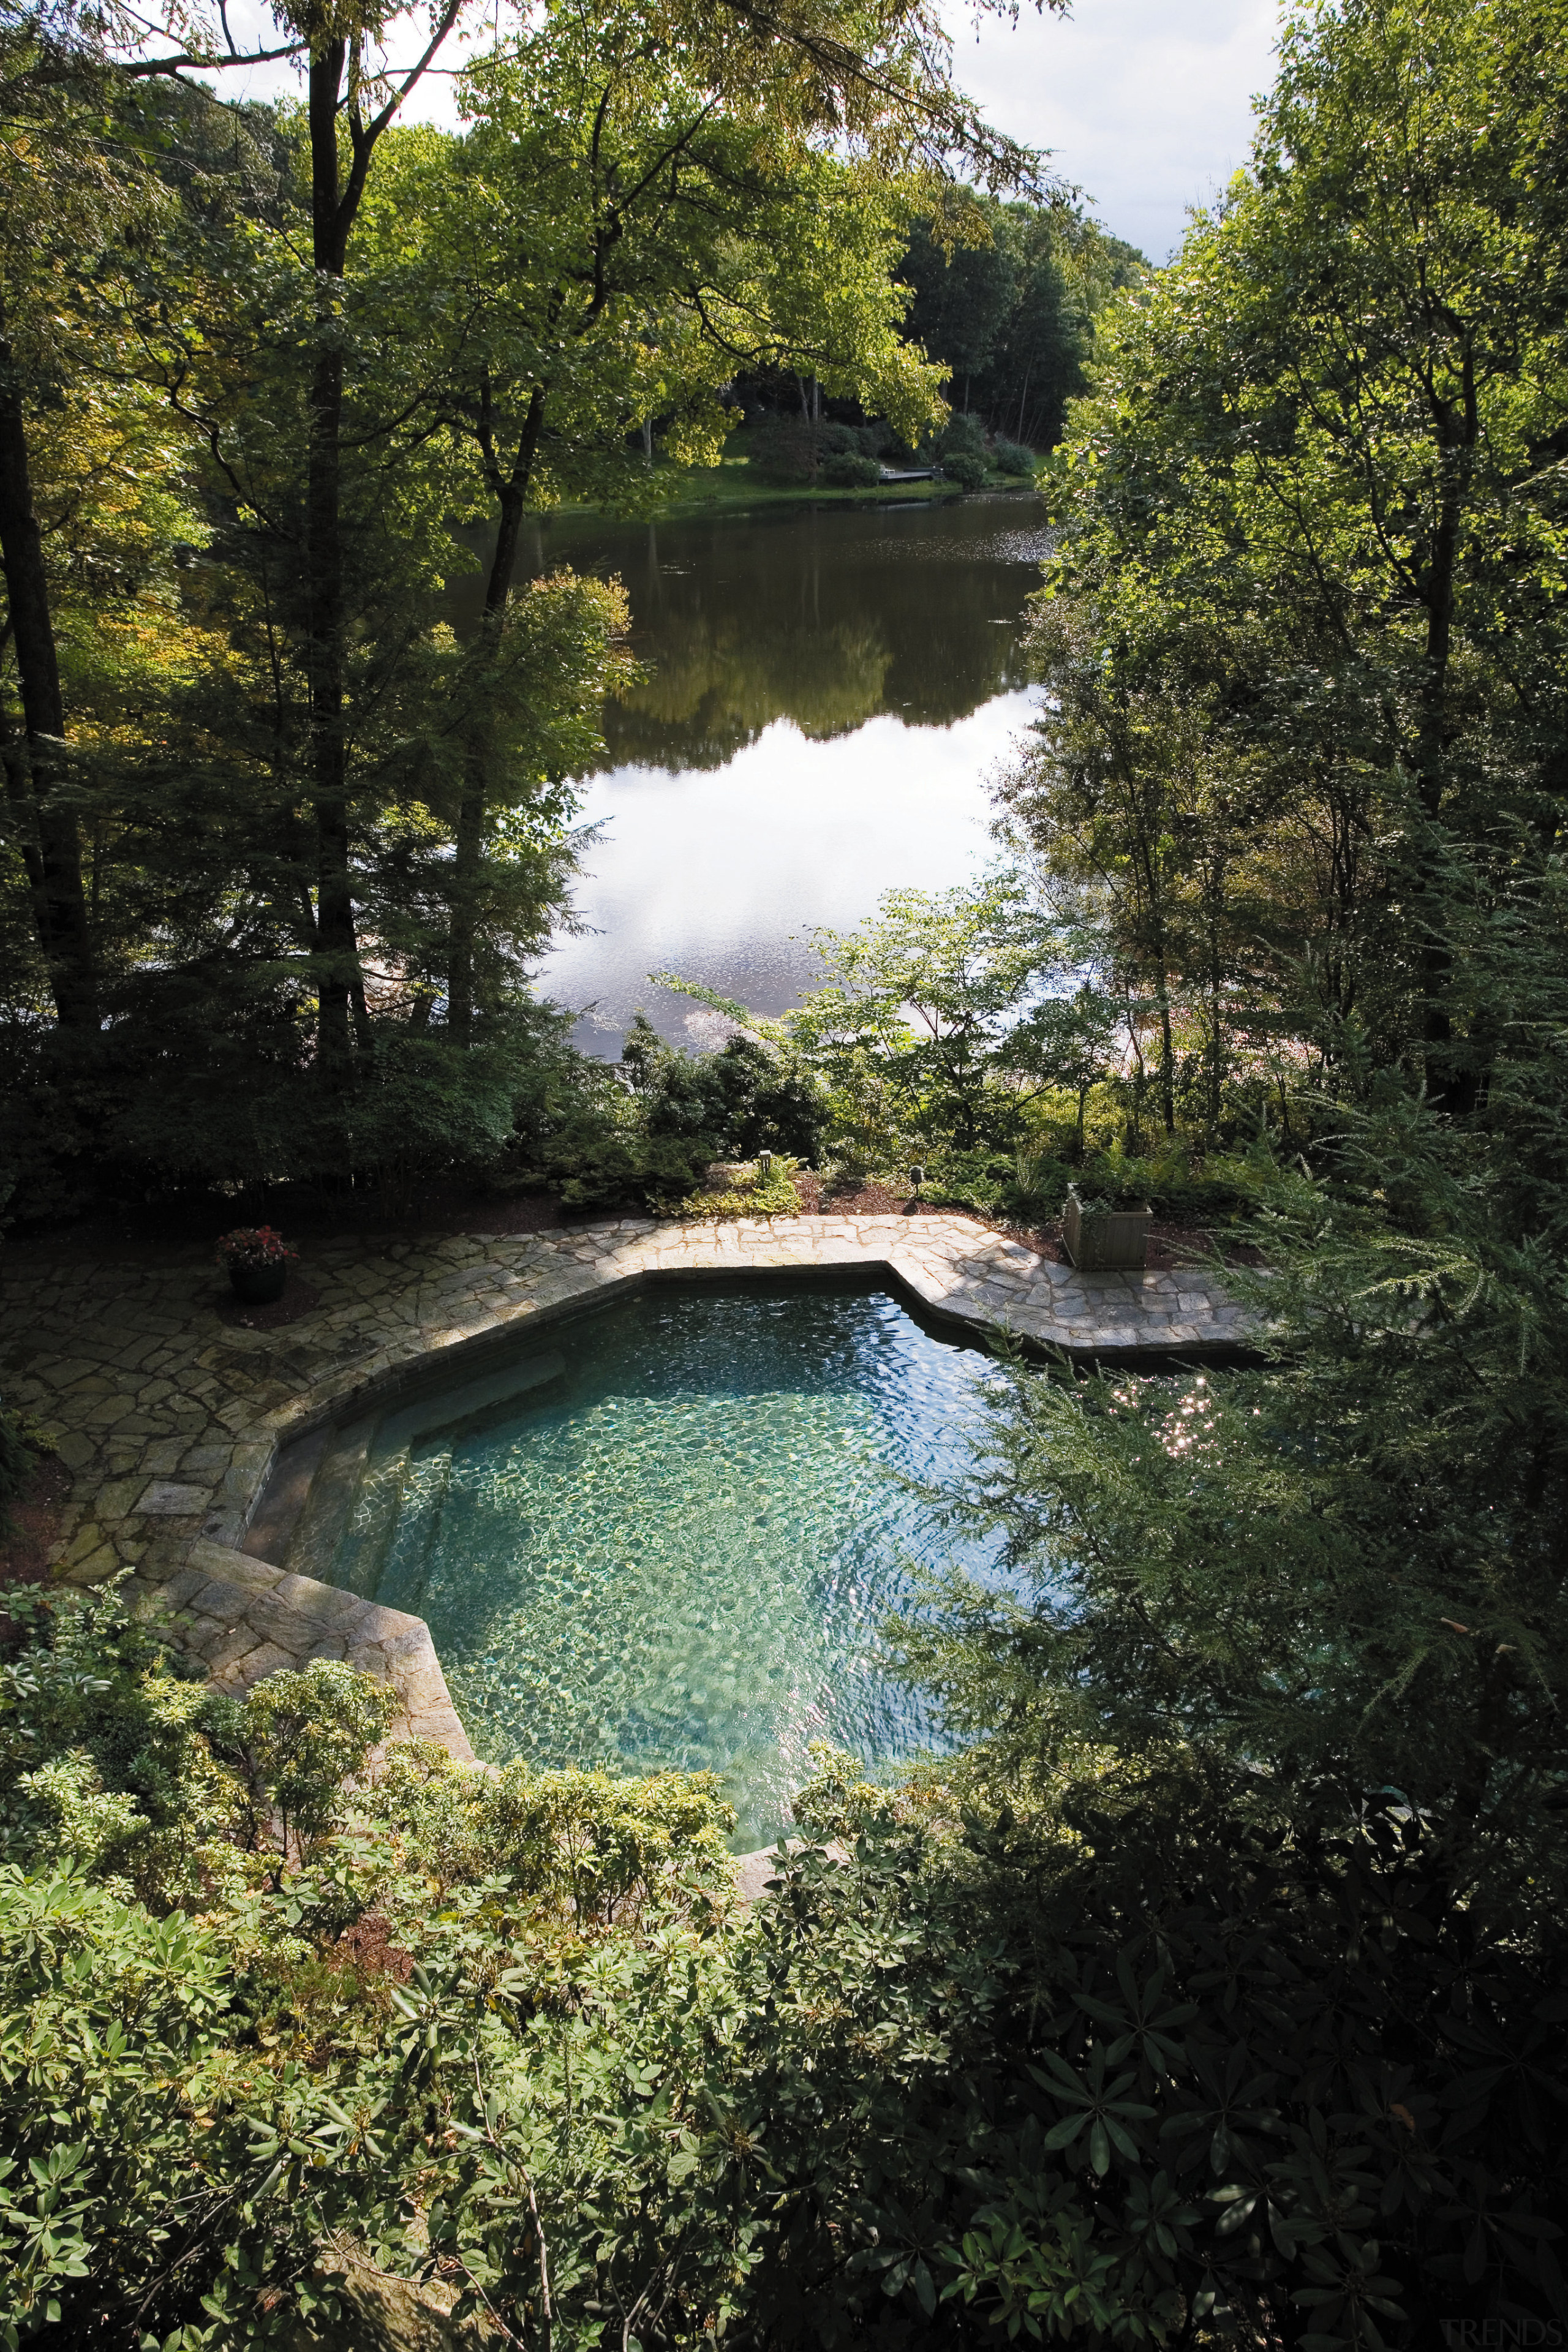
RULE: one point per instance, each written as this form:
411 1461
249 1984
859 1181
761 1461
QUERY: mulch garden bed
135 1231
1171 1244
820 1199
367 1946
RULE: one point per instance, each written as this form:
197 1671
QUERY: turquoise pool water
677 1546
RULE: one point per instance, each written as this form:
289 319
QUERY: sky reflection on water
828 691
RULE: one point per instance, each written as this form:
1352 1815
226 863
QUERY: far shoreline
706 492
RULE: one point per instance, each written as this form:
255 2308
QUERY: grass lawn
731 486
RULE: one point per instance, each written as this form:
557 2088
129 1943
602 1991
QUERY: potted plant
1100 1237
257 1260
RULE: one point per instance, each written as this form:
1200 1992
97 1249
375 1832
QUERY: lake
829 689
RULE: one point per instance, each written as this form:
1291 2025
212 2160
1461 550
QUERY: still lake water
829 690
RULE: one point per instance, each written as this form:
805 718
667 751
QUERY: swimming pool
669 1534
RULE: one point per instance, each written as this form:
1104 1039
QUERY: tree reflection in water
825 692
826 616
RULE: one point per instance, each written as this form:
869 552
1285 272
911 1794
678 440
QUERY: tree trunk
1158 956
337 947
469 846
51 846
1214 894
1455 435
1167 1055
1436 955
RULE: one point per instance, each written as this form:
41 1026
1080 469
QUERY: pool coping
170 1487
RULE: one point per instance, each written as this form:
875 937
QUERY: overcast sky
1147 106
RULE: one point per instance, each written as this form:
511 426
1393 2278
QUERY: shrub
750 1191
793 454
963 467
599 1142
733 1104
1139 2035
210 1110
291 1746
784 451
1012 457
598 1852
131 2129
848 472
103 1764
961 435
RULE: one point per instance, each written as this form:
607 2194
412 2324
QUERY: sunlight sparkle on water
681 1553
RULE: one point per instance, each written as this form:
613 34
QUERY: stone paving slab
170 1420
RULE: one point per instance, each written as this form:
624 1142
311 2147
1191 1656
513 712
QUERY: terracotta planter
1115 1242
258 1286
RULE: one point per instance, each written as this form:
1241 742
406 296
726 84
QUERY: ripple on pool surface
679 1551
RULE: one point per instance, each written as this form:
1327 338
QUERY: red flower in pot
257 1260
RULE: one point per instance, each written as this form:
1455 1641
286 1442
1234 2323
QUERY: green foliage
786 451
1071 1041
1340 1567
598 1852
189 2106
597 285
1127 2045
847 472
602 1141
747 1191
743 1099
131 2142
794 453
1126 2117
1282 748
102 1758
960 450
946 2078
1028 1185
911 1034
964 467
934 1043
1006 297
291 1746
962 436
